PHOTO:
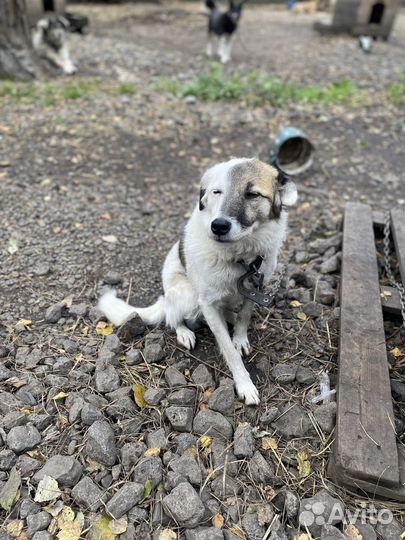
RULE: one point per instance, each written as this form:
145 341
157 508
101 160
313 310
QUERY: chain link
276 285
388 269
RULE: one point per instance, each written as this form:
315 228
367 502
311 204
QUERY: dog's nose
221 226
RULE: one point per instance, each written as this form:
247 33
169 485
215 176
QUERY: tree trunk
17 58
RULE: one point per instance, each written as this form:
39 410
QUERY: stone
53 313
222 400
225 487
153 396
269 416
293 422
184 441
107 379
148 468
153 350
398 390
205 533
29 507
183 396
252 527
100 444
37 522
121 408
331 533
184 505
28 465
87 494
112 343
112 278
13 419
125 499
287 502
222 455
284 373
305 375
157 439
174 377
312 309
390 531
66 470
23 438
90 414
366 530
325 415
132 329
260 469
331 265
187 467
324 293
228 535
212 423
131 453
7 459
78 310
181 418
42 535
202 377
133 358
243 441
326 508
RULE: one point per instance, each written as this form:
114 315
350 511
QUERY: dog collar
255 278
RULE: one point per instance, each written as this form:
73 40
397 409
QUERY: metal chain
388 269
276 285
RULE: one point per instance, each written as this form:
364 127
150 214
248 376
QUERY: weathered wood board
365 453
398 233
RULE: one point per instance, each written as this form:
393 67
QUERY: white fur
61 57
209 285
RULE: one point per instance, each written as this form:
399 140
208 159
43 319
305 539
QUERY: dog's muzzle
221 226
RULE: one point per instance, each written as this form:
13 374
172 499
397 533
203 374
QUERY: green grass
396 93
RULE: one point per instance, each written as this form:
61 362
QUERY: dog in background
49 39
241 214
224 27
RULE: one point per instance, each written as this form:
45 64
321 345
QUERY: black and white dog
49 39
224 26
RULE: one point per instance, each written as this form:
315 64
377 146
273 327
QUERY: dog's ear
231 4
286 194
202 197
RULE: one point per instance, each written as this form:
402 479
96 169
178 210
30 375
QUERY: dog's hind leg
208 50
244 386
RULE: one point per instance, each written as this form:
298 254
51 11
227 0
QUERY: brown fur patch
256 174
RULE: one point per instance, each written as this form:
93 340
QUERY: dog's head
235 10
53 30
240 195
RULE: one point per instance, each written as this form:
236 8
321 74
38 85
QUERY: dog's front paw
241 344
247 391
185 337
69 69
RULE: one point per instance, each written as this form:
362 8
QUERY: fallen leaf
301 316
104 328
67 301
386 294
100 529
10 492
14 527
268 443
152 452
119 526
66 516
25 322
59 396
397 353
353 532
167 534
106 217
296 303
54 509
218 521
147 491
78 226
304 463
71 530
12 246
71 327
205 441
237 532
47 490
110 238
139 393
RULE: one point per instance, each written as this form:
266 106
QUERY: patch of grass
18 92
396 93
126 89
257 89
79 89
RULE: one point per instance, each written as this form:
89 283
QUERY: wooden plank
398 233
390 303
365 450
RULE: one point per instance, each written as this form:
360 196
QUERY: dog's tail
118 312
210 5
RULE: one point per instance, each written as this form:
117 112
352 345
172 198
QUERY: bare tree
17 57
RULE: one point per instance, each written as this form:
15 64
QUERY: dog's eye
217 192
252 195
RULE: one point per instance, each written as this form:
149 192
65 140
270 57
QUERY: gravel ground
93 192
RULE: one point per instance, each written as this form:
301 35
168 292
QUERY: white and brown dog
49 39
242 213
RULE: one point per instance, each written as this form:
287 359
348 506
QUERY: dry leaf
68 301
110 238
218 521
71 327
301 316
205 441
139 393
237 532
71 530
104 328
25 322
386 294
304 463
54 509
152 452
100 529
47 490
59 396
119 526
10 492
268 443
353 532
296 303
397 353
168 534
15 527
